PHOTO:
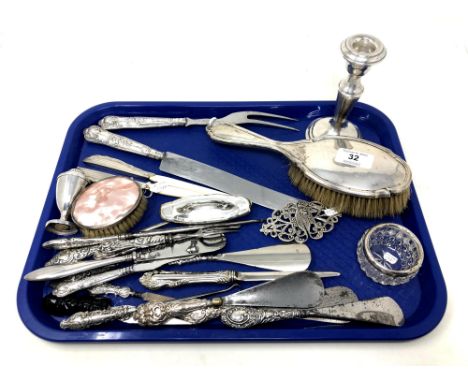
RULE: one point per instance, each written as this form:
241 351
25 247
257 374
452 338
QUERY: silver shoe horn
360 51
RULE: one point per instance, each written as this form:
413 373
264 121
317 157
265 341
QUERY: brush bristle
121 227
349 204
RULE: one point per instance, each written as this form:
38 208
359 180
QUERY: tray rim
423 327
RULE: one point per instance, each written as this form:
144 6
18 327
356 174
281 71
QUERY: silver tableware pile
333 164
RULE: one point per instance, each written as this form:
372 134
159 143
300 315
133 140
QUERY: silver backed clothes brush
193 170
352 175
113 122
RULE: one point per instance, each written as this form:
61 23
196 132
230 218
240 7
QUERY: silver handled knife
193 170
159 184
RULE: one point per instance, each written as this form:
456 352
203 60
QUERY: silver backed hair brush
351 175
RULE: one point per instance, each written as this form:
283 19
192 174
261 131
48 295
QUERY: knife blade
159 184
193 170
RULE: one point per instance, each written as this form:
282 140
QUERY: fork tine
260 122
263 114
241 117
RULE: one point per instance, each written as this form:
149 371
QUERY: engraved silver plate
205 209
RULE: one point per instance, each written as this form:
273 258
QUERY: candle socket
360 51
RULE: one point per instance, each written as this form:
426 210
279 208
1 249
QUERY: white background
59 58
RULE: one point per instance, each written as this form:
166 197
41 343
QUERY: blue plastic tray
423 299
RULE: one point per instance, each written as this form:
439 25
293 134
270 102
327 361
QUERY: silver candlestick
360 51
69 184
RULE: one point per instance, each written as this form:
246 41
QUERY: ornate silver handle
165 279
241 317
117 290
382 310
70 256
112 122
156 313
84 320
96 134
107 249
81 242
200 316
66 288
108 244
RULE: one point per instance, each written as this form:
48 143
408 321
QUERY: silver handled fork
112 122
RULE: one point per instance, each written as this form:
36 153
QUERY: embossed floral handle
156 313
121 291
84 320
96 134
164 279
70 256
201 316
382 310
68 287
242 317
113 122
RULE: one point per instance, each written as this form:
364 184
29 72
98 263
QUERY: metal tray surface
423 299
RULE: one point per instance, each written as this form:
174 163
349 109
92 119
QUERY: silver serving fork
113 122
